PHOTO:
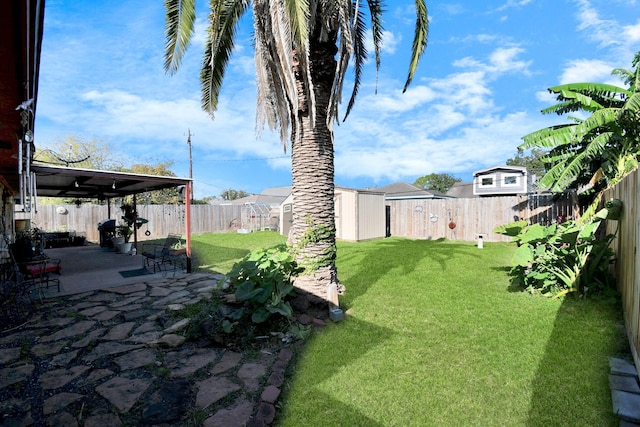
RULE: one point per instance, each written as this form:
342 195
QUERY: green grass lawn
219 251
435 336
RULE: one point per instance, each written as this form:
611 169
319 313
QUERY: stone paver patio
115 357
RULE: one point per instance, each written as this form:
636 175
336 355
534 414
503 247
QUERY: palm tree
600 149
302 51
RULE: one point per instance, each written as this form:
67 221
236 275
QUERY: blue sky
480 87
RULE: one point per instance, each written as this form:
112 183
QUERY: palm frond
179 20
360 56
563 108
274 105
376 9
346 19
566 172
224 18
633 104
600 91
549 137
298 13
419 40
596 121
598 145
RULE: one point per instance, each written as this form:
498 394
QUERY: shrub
263 281
561 258
261 284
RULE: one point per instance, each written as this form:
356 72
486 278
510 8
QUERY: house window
511 180
488 181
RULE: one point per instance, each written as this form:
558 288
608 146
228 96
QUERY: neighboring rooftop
272 196
403 190
461 190
501 167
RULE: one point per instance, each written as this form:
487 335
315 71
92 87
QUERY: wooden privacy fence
163 219
466 219
627 265
456 219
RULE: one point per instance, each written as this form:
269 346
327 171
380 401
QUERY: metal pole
187 220
190 163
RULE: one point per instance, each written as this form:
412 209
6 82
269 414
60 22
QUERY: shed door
387 221
287 218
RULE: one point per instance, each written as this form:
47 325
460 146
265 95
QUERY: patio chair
161 255
35 268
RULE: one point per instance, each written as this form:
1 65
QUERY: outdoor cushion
39 269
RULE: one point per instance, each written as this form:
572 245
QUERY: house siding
500 182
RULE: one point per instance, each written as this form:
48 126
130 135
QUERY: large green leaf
260 315
589 230
511 229
247 291
523 256
534 233
283 308
602 90
549 137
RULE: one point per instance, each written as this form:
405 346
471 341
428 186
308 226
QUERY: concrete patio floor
90 267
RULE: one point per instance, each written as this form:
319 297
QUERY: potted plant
122 243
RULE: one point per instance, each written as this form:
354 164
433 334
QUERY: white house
501 181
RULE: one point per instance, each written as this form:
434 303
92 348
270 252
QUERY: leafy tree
440 182
78 153
159 197
232 194
208 199
531 159
600 149
95 154
302 53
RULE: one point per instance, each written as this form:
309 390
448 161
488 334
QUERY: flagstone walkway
115 357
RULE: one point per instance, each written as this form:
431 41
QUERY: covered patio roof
59 181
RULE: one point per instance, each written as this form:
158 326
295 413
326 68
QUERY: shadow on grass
224 257
571 385
404 255
327 355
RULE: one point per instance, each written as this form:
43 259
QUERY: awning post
187 220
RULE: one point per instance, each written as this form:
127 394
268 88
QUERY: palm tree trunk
313 230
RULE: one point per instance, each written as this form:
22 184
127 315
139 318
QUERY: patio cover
59 181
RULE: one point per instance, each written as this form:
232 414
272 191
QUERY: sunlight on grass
435 337
219 251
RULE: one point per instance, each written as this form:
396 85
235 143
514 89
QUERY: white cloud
584 70
390 42
501 60
545 97
632 32
446 125
513 4
199 39
388 45
620 38
453 8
